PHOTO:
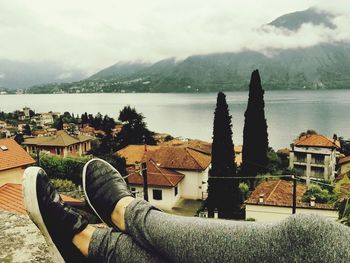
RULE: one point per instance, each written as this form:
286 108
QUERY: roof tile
316 140
156 176
15 156
11 198
280 193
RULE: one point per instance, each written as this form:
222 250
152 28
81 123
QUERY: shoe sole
85 192
32 206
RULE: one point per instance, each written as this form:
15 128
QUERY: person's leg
299 238
106 245
67 234
185 239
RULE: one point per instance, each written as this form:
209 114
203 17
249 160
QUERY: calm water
191 115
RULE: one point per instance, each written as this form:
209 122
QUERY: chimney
261 198
312 201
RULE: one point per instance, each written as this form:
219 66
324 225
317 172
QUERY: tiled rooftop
317 140
156 176
13 155
280 193
11 198
62 138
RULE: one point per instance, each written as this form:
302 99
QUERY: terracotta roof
135 153
180 158
280 193
317 140
87 129
61 138
344 160
156 176
11 198
14 156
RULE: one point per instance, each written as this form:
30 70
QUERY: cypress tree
255 137
223 193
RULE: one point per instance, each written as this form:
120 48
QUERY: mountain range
322 66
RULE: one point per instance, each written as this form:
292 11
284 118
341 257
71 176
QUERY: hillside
323 66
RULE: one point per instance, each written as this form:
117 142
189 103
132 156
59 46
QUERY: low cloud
89 35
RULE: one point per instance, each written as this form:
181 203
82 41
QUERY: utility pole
37 156
294 194
145 184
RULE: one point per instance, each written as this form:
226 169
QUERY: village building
46 118
13 160
61 144
314 157
87 130
164 185
192 163
3 124
272 201
344 165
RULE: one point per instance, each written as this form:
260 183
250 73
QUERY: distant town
178 169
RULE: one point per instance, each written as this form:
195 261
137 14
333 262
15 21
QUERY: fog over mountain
19 75
320 66
208 46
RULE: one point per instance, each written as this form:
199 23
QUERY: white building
164 186
271 201
191 163
314 156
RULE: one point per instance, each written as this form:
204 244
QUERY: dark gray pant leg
112 247
300 238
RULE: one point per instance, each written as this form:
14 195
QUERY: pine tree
223 193
255 137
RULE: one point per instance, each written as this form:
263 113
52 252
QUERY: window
58 151
133 189
157 194
175 190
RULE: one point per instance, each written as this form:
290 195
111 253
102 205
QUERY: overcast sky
91 35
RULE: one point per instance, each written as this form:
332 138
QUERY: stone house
314 156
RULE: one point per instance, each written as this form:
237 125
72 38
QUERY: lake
191 115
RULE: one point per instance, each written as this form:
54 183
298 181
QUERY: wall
168 196
345 168
11 176
263 213
194 184
309 163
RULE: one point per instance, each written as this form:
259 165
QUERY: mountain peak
293 21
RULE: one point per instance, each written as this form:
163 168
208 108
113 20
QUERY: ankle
82 240
118 213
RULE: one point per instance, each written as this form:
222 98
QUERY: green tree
223 191
134 130
255 137
58 123
27 130
19 138
84 118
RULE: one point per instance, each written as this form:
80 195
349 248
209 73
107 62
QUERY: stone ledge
21 241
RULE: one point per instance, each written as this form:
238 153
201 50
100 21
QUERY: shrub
244 188
64 185
322 195
63 168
